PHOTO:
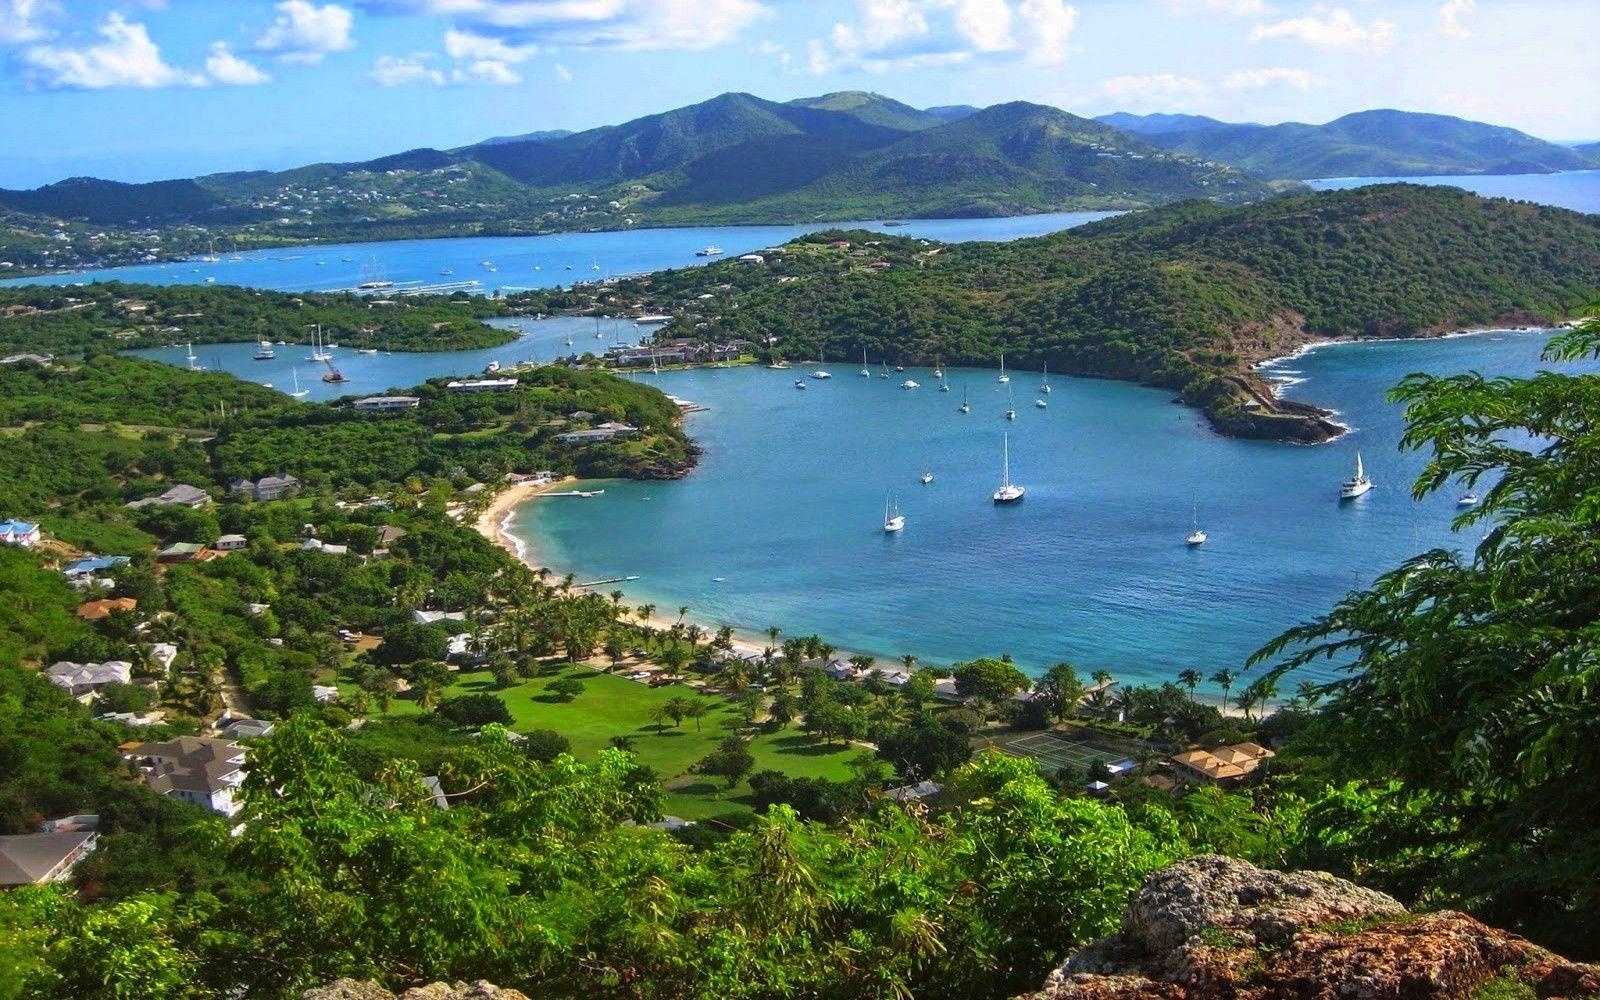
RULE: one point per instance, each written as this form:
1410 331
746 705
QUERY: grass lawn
611 706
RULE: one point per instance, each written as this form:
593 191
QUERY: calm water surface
781 523
1575 189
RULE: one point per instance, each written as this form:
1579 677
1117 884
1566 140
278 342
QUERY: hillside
1365 144
730 160
1185 297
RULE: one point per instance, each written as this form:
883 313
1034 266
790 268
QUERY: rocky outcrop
356 989
1211 927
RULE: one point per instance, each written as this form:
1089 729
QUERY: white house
422 617
387 403
229 543
181 495
23 533
37 858
83 680
197 769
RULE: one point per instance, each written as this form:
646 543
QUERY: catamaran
865 371
264 351
1044 380
1357 484
893 520
1008 492
1196 536
822 372
1003 376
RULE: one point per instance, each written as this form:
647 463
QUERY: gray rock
355 989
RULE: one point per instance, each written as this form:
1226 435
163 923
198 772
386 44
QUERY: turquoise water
525 261
781 523
1575 189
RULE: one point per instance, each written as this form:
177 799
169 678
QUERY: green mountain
733 159
1365 144
540 136
1186 297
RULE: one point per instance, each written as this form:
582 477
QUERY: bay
1575 189
781 523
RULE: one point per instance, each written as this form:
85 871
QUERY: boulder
356 989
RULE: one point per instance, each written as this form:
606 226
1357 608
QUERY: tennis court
1055 751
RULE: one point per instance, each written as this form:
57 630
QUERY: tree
565 688
1062 690
677 709
925 749
1224 679
1190 678
782 710
475 710
989 680
544 745
697 709
731 761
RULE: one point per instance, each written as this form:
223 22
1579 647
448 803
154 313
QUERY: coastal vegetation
1185 297
111 316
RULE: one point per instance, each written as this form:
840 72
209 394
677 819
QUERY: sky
147 89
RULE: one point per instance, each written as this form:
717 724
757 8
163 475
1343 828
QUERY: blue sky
145 89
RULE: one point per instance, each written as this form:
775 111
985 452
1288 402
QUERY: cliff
1212 927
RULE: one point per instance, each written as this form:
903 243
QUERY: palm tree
1224 678
909 661
772 634
1190 678
616 602
683 612
1308 693
1102 677
659 714
696 710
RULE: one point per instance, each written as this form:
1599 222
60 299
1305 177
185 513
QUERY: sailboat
938 369
192 358
264 351
318 352
893 520
944 383
1011 410
1003 376
1196 536
965 406
865 371
883 370
822 372
1357 484
1008 492
1040 403
298 392
1044 380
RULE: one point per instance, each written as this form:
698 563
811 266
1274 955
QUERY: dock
602 583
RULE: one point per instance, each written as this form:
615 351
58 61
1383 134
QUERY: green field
612 705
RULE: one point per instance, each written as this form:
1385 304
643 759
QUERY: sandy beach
496 518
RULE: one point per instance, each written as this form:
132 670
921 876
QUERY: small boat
446 271
366 350
264 351
799 383
865 371
910 384
192 358
893 520
1467 500
298 392
1044 380
1196 536
927 477
1008 492
372 286
899 368
710 251
938 369
965 406
1003 376
819 373
1041 404
491 368
334 375
1357 484
1011 410
883 369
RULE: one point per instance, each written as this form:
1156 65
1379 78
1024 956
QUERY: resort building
21 533
230 543
93 611
481 384
605 432
181 495
387 403
84 680
1223 764
329 548
422 617
82 571
247 729
197 769
49 856
267 487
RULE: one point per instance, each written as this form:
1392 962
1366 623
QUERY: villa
197 769
1224 765
21 533
277 487
230 543
481 384
48 856
422 617
387 403
180 495
180 552
82 571
604 432
93 611
84 680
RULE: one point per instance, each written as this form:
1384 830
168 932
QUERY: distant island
1187 297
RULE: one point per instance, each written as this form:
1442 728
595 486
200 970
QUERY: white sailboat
298 392
1196 536
1044 380
883 370
1011 409
192 358
822 372
1357 484
1008 492
264 351
965 406
865 371
927 477
1003 376
318 352
893 520
938 368
799 383
944 383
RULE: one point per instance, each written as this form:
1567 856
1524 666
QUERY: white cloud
1256 79
489 71
1450 15
1153 91
469 46
19 21
395 71
223 67
1337 30
1235 7
634 25
563 74
887 35
127 58
304 33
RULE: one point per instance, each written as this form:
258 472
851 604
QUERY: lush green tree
475 710
565 688
989 680
730 761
